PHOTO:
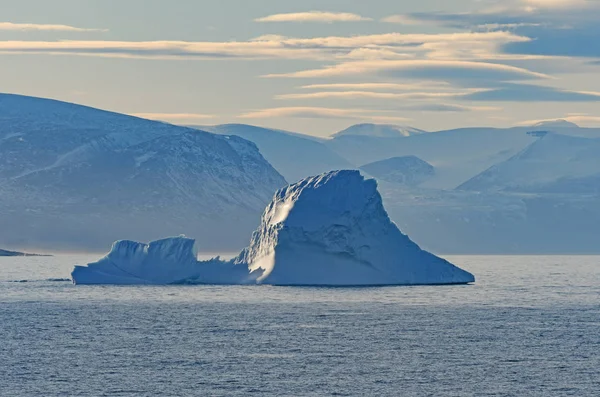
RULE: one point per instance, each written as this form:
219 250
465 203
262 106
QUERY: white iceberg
329 230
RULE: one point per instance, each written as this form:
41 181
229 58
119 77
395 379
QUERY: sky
310 66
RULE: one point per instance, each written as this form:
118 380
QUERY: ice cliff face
168 261
330 229
160 262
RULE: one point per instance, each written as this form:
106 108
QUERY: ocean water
529 326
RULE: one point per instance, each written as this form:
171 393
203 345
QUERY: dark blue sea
529 326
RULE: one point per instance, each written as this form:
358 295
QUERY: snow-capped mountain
379 131
457 155
405 170
295 156
551 124
553 164
73 177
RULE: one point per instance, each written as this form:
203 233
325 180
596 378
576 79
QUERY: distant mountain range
77 178
443 188
73 177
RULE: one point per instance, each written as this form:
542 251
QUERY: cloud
174 117
314 16
323 113
379 86
45 27
402 20
375 53
372 95
532 93
162 49
557 3
389 45
423 69
451 108
556 27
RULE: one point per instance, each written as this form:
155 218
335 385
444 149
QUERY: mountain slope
73 177
553 164
405 170
465 222
293 155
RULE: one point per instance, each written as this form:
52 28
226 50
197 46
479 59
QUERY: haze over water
527 327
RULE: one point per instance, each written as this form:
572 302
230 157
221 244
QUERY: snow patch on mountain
379 131
559 123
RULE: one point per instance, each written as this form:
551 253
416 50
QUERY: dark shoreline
14 253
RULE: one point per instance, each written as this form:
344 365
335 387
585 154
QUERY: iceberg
326 230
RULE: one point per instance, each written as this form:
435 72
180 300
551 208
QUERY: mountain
406 170
563 127
457 155
538 191
553 164
379 131
74 177
295 156
552 124
490 223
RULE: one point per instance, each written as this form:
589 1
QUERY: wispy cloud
510 92
174 117
314 16
379 86
326 113
45 27
422 69
332 48
402 20
373 95
450 108
558 3
162 49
